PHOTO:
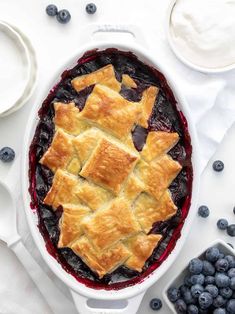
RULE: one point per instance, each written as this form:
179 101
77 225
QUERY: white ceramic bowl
82 293
179 55
178 280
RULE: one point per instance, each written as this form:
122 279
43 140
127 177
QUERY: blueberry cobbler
110 170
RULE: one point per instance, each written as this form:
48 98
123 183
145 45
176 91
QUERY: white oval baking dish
80 292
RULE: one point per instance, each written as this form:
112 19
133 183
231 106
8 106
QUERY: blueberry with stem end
195 266
180 306
7 154
155 304
205 300
203 211
222 265
212 254
218 165
196 290
231 261
226 292
231 230
91 8
51 10
63 16
222 224
173 294
192 309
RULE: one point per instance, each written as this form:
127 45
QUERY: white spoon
8 234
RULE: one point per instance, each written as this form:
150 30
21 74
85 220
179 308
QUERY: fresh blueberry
209 280
212 254
231 272
197 279
208 269
196 290
187 281
155 304
231 306
51 10
219 301
222 224
180 306
213 290
7 154
226 292
205 300
232 282
218 165
222 280
183 288
219 311
222 265
63 16
203 211
187 297
192 309
231 230
173 294
91 8
230 244
195 266
231 261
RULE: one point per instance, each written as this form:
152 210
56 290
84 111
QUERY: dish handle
89 32
131 305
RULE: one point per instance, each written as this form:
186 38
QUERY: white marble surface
54 43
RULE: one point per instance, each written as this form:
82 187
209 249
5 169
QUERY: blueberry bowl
182 279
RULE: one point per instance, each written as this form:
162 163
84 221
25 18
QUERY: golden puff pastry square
147 102
158 175
141 247
86 142
109 165
111 224
70 223
133 188
128 81
100 262
92 195
158 143
62 190
110 111
67 118
60 153
104 76
148 210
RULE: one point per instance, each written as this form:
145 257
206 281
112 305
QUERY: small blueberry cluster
209 287
62 16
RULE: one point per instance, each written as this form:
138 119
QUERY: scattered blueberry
232 283
209 280
195 266
208 269
7 154
231 272
173 294
51 10
231 260
222 265
230 244
231 306
219 301
180 306
219 311
213 290
226 292
203 211
212 254
231 230
222 280
192 309
222 224
155 304
218 165
197 279
91 8
205 300
196 290
63 16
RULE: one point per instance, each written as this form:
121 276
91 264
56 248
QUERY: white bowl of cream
202 33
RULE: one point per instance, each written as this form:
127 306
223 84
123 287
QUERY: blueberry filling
165 117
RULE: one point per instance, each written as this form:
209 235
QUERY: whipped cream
203 31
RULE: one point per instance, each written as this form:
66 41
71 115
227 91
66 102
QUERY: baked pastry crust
110 193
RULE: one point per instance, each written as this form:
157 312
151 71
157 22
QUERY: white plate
14 67
32 77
